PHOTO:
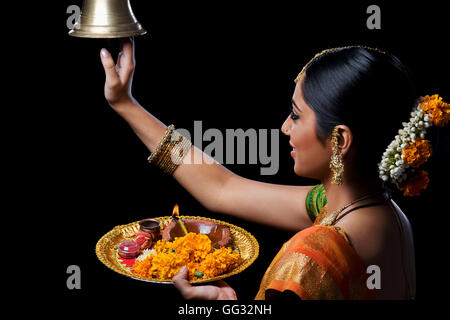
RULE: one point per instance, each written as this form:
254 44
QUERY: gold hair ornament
333 49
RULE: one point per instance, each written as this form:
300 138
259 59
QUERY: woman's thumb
182 274
181 283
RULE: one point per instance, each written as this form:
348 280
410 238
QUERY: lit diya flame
176 217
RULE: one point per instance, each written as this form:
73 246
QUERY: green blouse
315 200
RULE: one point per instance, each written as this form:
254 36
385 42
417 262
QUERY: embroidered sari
317 263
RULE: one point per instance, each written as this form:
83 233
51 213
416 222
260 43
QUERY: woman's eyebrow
295 105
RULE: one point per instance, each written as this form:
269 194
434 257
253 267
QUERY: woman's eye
294 116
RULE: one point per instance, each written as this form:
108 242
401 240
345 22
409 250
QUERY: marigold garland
417 181
438 110
410 149
194 251
417 153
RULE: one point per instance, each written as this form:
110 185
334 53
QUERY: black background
231 66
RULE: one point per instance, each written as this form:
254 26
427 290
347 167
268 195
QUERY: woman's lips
293 149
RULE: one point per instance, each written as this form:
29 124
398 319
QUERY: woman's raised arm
214 186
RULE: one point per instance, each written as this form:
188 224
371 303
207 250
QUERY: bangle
154 156
179 147
170 151
176 150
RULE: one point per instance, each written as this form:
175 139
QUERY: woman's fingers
225 291
221 284
190 292
119 77
112 78
219 291
127 61
182 284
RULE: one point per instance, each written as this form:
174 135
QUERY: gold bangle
162 155
170 151
154 156
166 160
168 147
173 158
178 152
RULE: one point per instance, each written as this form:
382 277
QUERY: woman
342 109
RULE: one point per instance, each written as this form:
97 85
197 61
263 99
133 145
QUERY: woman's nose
285 127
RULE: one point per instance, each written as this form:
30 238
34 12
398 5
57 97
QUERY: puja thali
106 249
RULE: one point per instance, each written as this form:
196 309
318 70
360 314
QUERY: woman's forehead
298 94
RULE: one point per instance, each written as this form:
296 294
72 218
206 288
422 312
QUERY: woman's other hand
119 77
220 290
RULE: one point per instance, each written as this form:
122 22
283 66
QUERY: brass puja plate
106 248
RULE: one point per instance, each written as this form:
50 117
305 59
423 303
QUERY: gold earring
336 163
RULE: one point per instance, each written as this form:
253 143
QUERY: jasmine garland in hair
409 150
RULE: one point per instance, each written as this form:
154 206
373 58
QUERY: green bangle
315 200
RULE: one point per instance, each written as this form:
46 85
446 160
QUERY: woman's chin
297 170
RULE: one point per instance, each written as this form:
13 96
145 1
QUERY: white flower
392 167
145 254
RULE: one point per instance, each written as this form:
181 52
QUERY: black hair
366 89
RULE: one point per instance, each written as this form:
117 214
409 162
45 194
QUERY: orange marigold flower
417 153
438 110
416 182
193 250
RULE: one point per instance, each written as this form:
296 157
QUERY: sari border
344 267
282 286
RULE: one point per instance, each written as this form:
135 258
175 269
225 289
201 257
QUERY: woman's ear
345 139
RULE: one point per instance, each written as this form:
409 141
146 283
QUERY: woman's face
310 155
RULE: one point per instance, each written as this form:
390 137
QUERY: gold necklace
329 219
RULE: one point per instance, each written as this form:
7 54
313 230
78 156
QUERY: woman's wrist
124 104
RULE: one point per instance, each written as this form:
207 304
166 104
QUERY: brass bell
106 19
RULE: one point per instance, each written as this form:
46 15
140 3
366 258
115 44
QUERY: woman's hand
219 291
119 77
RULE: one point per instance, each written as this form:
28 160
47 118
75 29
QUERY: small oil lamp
176 217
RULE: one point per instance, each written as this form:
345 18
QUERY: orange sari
317 263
